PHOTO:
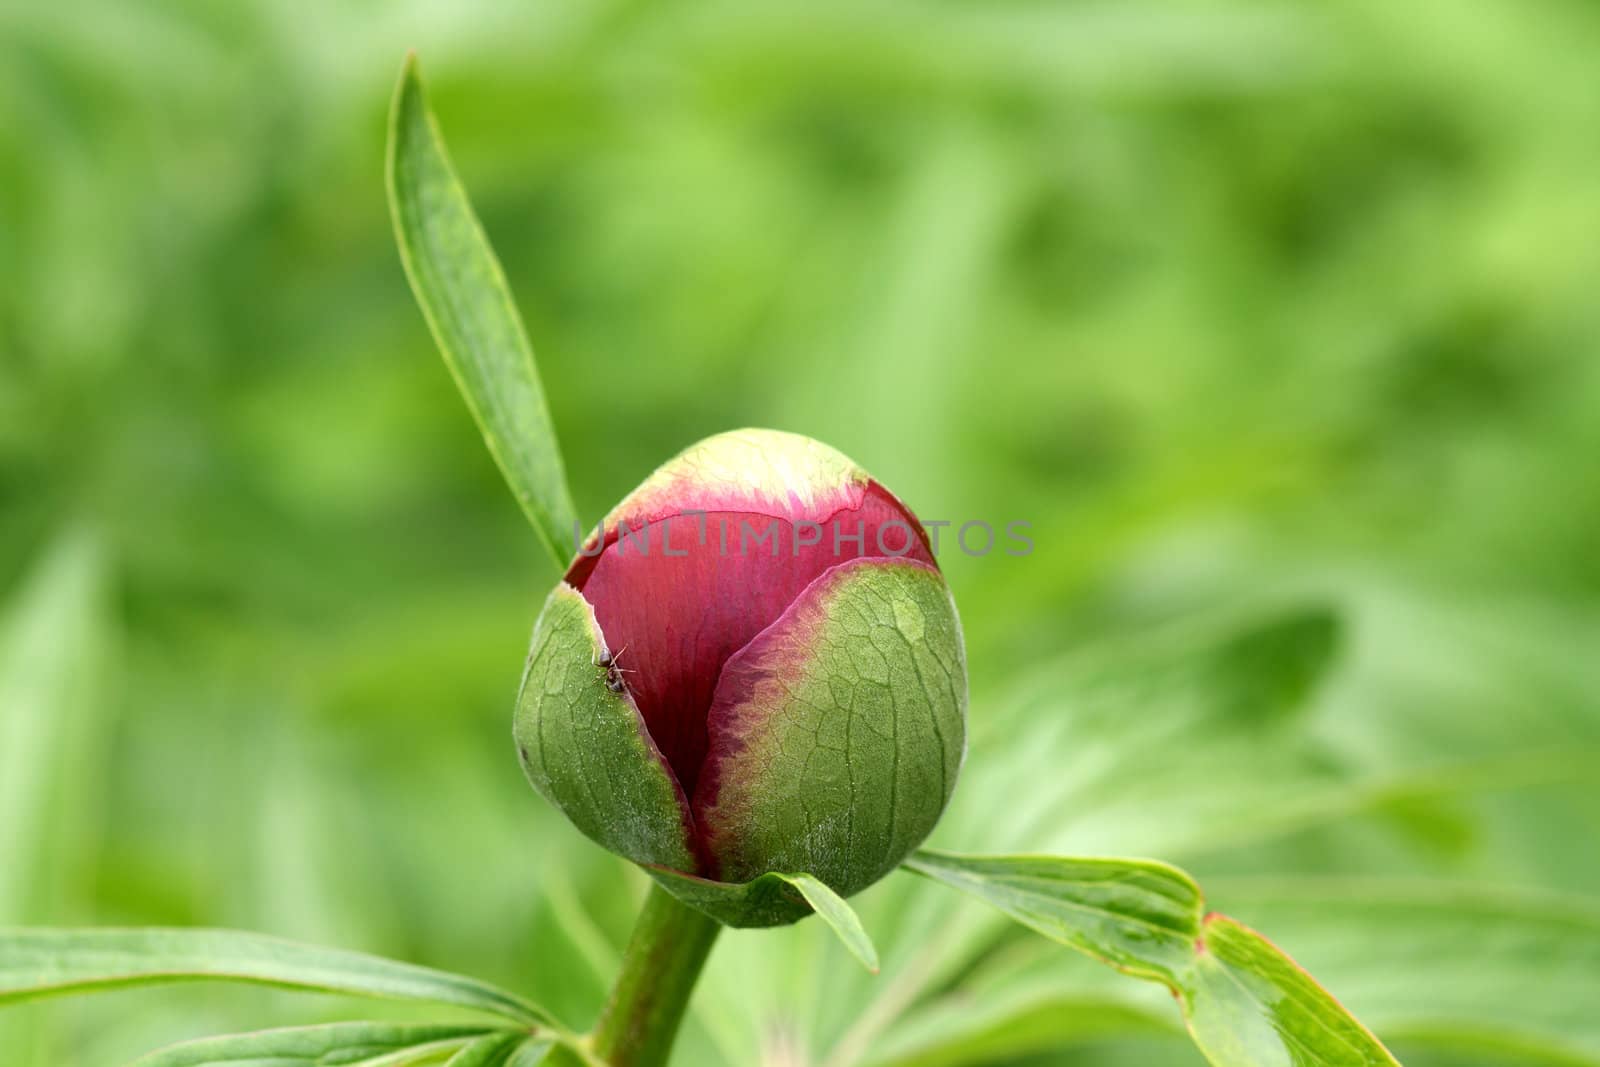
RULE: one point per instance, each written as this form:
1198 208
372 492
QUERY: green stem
669 946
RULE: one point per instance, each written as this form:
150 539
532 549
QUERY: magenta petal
674 620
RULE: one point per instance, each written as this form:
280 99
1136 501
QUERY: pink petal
672 621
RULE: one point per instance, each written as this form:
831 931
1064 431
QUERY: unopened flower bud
753 665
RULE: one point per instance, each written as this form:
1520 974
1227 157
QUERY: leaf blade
490 1050
832 909
46 961
774 899
352 1042
49 639
1445 965
1235 966
961 1030
459 284
1137 915
1245 1001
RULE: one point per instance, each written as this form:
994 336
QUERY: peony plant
750 681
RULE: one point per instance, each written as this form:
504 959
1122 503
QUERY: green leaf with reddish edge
1513 973
1249 1003
331 1043
1246 1003
46 961
772 900
585 748
838 732
463 294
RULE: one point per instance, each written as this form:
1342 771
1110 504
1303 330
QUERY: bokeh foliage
1276 321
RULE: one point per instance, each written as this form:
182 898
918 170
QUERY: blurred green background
1278 322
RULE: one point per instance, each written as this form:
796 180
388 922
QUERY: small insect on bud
795 695
613 671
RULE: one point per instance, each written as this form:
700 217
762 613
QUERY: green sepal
769 900
586 749
840 730
774 899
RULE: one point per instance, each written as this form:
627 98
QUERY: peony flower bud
752 666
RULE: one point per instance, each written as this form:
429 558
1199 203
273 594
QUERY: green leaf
333 1043
48 654
540 1052
463 294
53 730
493 1050
1445 965
1121 743
1136 915
1247 1004
962 1029
38 962
431 1053
832 909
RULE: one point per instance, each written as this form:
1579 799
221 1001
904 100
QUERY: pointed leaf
463 293
772 900
832 909
49 637
326 1044
45 961
51 729
1247 1004
1444 964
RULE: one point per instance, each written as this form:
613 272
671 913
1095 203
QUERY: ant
614 669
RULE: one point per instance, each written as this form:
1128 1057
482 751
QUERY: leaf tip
408 87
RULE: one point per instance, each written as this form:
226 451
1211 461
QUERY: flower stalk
663 960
